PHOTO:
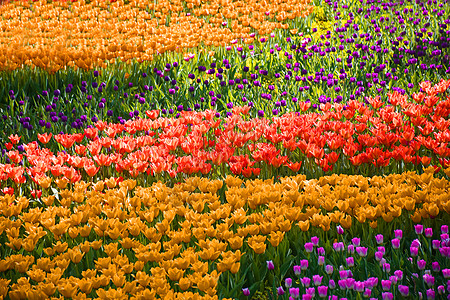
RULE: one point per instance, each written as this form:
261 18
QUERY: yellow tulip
118 279
276 237
236 242
175 274
184 283
48 288
45 182
257 243
85 285
432 209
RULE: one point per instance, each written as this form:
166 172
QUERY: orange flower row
52 36
116 233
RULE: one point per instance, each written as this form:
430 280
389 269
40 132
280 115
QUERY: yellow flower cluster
58 34
120 240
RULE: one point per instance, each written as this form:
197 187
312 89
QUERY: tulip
429 279
304 264
428 232
418 228
399 274
305 281
288 282
321 260
340 230
294 292
329 269
342 284
332 284
431 294
398 234
309 247
350 261
386 285
421 264
298 270
246 292
280 291
444 229
379 238
378 255
270 265
436 244
362 251
404 290
351 249
395 243
356 241
317 280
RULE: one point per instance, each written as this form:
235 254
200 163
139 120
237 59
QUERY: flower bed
106 238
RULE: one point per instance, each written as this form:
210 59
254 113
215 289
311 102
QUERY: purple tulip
309 247
297 270
317 280
351 249
421 264
294 292
332 284
378 255
322 290
404 290
435 266
280 291
362 251
431 294
304 264
379 238
350 261
428 232
329 269
270 265
429 279
356 241
395 243
246 291
320 251
321 260
386 285
306 281
418 228
288 282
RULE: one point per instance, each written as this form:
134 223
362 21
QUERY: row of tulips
368 53
355 138
207 236
54 35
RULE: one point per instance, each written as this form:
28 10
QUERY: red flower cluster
405 131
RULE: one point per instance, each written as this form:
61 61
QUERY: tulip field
225 149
